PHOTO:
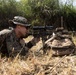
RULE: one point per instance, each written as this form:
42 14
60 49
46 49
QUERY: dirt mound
62 43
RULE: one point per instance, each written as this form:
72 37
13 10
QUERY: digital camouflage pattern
10 45
3 34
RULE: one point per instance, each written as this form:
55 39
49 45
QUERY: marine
11 40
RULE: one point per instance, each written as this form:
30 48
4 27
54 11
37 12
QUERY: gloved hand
35 40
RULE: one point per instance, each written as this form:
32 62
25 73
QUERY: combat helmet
20 21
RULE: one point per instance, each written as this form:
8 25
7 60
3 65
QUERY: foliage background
39 12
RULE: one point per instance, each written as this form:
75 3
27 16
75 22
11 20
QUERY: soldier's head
20 25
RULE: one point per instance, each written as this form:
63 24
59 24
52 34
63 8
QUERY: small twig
52 69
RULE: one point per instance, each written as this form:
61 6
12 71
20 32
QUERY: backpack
3 35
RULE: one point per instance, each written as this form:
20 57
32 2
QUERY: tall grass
38 65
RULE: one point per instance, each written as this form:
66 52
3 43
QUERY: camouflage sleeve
32 42
14 47
29 44
3 35
2 38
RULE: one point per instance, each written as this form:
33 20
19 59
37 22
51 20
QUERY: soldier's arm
28 44
13 45
32 42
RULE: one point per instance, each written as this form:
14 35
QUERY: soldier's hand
35 40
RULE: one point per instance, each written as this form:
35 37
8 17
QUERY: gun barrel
42 27
49 27
38 27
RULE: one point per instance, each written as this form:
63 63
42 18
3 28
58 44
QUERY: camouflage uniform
10 44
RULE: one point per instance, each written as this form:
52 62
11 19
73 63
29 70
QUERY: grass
38 65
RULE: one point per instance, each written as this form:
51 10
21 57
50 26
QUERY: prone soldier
10 39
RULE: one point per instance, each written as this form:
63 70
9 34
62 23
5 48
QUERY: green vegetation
39 12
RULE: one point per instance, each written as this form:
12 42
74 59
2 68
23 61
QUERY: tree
7 11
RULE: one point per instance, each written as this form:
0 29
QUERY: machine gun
41 31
